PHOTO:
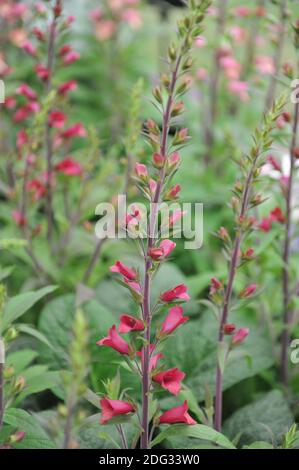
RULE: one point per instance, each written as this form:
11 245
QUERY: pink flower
276 215
64 50
76 130
124 270
173 160
112 408
37 187
173 320
229 328
132 17
173 192
57 119
242 11
40 8
165 248
152 187
265 225
158 160
177 293
24 111
129 323
153 358
231 66
200 41
10 102
71 57
96 14
141 171
22 138
38 33
42 72
238 34
135 287
19 218
240 89
176 216
64 88
240 336
265 65
179 414
105 29
28 47
247 291
274 162
26 91
170 380
202 74
69 167
114 341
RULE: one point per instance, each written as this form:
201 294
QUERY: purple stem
144 442
288 314
48 137
227 297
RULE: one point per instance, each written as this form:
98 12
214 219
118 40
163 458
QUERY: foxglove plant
222 295
157 189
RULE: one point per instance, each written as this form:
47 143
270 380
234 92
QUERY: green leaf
264 420
18 305
198 431
6 272
259 445
24 328
19 360
35 437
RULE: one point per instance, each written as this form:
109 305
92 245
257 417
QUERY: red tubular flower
179 414
173 160
129 323
71 57
165 248
115 341
153 358
37 187
173 320
276 215
158 160
26 91
38 34
141 171
76 130
112 408
64 88
57 119
19 218
69 167
240 336
265 225
29 48
247 291
177 293
229 328
22 138
274 163
170 380
64 50
42 72
173 192
10 102
124 270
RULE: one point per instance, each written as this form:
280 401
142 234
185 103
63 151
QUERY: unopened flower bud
177 109
247 291
11 334
157 94
229 328
158 160
8 372
19 384
17 437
